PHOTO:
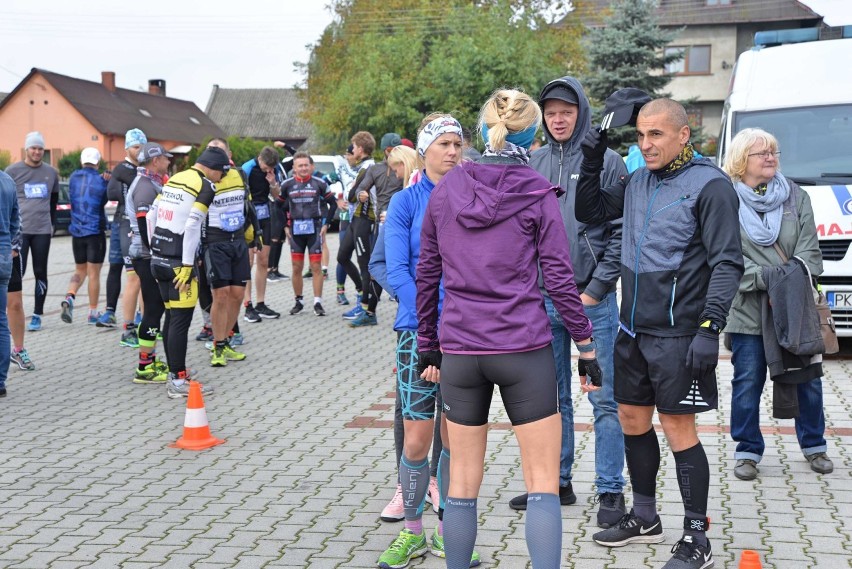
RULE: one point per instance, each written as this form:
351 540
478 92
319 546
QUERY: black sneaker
251 314
265 312
566 498
318 309
205 335
690 555
611 508
631 529
297 308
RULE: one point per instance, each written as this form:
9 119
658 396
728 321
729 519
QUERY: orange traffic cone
196 429
750 560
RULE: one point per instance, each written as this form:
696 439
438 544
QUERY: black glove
428 358
290 149
594 146
703 354
591 370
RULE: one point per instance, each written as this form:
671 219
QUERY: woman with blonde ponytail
487 229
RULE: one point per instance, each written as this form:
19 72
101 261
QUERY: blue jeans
609 440
749 378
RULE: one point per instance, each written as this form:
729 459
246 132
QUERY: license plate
839 299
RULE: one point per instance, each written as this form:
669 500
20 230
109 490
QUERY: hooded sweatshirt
487 229
595 247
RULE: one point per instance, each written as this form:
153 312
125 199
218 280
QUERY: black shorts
277 223
226 263
89 249
163 270
527 382
311 242
125 239
16 280
652 371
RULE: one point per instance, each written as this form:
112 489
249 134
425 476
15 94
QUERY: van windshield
815 142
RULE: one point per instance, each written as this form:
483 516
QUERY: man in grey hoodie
595 255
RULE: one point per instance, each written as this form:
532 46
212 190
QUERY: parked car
63 209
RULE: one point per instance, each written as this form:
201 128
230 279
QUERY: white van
802 93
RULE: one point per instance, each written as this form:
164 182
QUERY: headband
439 126
522 138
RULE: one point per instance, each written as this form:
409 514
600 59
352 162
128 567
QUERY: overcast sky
192 45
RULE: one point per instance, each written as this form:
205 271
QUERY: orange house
74 113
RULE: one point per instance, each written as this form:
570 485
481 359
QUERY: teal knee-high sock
415 482
543 529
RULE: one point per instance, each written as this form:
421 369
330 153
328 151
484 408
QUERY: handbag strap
780 251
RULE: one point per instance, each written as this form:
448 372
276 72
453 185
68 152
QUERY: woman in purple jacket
488 228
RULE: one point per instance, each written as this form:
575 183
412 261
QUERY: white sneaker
394 511
433 494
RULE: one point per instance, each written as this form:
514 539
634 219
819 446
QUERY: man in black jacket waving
681 264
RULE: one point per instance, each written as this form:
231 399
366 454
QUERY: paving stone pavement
87 478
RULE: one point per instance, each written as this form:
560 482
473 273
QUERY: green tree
5 159
627 51
384 64
242 150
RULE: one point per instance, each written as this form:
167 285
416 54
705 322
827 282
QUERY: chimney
157 87
108 80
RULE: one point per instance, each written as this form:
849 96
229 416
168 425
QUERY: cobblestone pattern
87 479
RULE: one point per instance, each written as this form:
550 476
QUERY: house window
695 60
145 113
718 2
194 120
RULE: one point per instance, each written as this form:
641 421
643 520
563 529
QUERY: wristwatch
712 326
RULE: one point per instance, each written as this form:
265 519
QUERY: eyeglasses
766 154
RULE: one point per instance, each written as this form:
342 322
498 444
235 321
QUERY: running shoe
433 493
175 391
238 339
23 360
93 318
395 510
35 323
231 354
280 276
355 312
297 308
217 357
341 299
162 366
251 314
129 339
274 277
67 310
611 508
690 555
3 392
364 319
566 498
631 529
107 320
205 334
436 546
265 312
152 373
318 309
308 274
404 548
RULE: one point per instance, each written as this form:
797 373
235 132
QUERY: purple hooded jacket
487 229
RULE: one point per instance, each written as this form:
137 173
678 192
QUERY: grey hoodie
595 248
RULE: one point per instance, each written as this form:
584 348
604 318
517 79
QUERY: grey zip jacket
595 247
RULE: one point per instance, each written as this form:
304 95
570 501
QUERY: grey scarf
763 230
510 150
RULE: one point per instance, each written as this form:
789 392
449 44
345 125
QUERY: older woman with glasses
776 224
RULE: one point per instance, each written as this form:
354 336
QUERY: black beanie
214 158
